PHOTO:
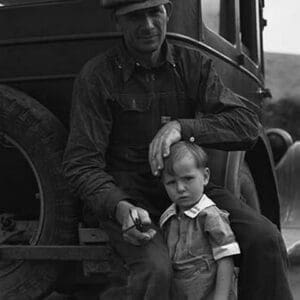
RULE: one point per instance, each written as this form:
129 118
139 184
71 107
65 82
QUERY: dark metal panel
65 253
51 57
56 18
186 18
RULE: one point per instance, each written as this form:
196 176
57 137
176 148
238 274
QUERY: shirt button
192 139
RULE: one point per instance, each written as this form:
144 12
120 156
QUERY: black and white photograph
149 150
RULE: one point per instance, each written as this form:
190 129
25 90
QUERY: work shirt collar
192 213
128 63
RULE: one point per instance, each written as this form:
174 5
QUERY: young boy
199 238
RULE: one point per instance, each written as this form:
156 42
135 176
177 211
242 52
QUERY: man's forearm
235 129
94 186
222 120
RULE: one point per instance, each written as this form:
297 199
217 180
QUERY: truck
45 243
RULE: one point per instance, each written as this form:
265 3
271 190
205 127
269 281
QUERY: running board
61 253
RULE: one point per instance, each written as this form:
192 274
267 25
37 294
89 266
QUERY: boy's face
186 186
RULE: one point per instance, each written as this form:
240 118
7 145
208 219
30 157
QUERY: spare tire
41 138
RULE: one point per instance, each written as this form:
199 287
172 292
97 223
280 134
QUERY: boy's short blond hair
179 150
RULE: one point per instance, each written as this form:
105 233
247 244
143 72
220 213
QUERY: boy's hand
135 223
159 148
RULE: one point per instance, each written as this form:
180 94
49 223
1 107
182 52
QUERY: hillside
282 74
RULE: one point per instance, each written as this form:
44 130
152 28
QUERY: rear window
219 17
248 17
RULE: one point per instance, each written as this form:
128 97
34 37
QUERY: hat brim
125 9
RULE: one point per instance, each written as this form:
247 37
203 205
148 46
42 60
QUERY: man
144 92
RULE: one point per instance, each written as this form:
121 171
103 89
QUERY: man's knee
156 267
222 197
261 237
266 239
151 277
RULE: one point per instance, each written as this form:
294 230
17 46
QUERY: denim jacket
117 108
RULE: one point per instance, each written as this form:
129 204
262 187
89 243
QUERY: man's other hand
159 148
125 214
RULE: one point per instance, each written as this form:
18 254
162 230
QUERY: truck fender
288 173
250 176
231 170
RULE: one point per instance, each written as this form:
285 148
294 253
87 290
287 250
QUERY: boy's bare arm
224 278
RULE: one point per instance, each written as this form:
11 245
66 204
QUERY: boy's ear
206 175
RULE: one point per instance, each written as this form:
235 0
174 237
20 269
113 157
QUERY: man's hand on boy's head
133 219
159 148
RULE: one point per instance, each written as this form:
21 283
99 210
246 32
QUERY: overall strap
179 68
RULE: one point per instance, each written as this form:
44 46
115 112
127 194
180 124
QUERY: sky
283 31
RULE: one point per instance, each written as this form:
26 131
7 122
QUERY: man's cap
123 7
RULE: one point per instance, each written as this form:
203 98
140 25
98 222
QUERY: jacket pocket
138 103
133 120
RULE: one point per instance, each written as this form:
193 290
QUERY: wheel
280 141
34 196
248 191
